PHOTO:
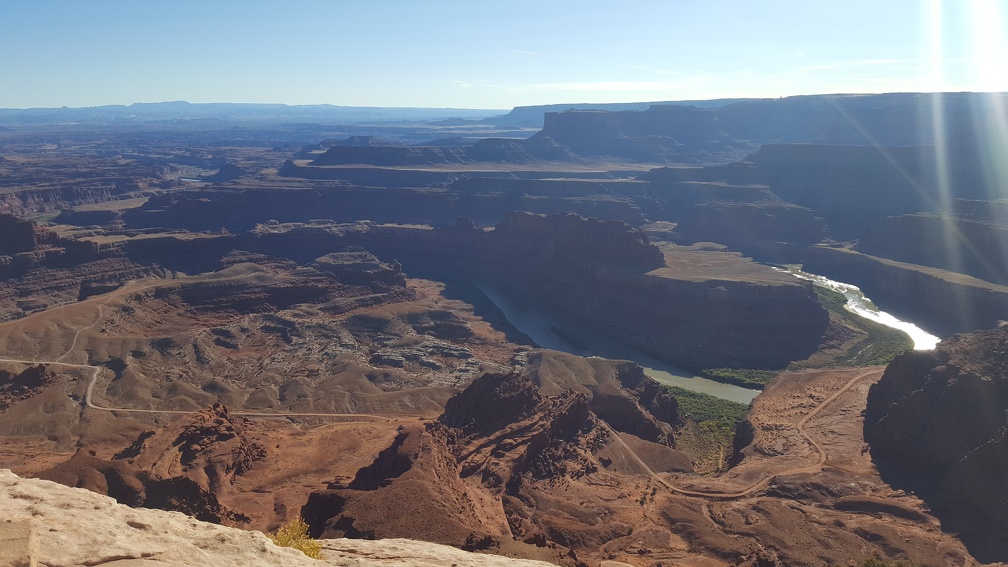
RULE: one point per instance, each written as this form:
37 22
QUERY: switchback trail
763 482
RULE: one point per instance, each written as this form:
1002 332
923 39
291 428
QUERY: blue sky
490 54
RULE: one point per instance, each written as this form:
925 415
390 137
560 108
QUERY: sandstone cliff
612 279
957 243
763 230
71 526
936 422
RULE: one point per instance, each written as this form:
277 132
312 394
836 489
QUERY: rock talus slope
78 527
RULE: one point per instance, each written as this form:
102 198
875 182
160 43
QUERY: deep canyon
261 320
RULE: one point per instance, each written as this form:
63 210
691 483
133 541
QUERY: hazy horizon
452 54
474 109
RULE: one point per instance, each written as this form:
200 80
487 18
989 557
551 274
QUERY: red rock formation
937 423
16 235
17 387
132 486
210 447
458 485
187 466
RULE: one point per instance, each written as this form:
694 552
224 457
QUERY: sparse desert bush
710 428
875 562
295 534
745 377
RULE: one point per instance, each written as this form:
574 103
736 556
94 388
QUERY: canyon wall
936 423
973 246
608 277
939 301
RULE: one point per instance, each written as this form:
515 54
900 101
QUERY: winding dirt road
97 370
714 495
763 482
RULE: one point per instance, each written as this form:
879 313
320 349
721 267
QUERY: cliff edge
46 523
937 423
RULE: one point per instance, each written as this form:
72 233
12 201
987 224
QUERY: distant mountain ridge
182 110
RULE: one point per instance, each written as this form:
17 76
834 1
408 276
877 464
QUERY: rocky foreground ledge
48 524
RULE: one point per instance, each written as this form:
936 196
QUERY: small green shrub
295 534
745 377
710 429
881 344
876 562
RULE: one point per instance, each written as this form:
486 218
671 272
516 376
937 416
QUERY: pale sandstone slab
77 527
18 544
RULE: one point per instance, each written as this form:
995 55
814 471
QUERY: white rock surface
76 527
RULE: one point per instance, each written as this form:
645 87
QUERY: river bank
551 328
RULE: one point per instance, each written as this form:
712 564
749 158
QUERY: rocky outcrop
210 447
455 480
188 466
48 270
652 396
89 218
360 268
21 386
512 399
342 280
936 422
132 486
390 155
16 235
576 239
406 197
70 526
618 392
227 172
662 133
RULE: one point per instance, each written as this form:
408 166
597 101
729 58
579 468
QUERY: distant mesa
485 150
227 172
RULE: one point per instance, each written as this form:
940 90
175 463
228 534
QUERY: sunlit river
551 328
861 305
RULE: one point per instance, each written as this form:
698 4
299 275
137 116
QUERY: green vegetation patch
710 430
880 345
745 377
876 562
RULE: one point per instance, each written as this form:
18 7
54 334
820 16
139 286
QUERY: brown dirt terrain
805 493
181 344
577 476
